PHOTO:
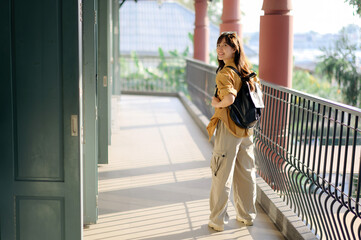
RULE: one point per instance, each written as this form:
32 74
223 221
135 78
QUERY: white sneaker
246 222
216 227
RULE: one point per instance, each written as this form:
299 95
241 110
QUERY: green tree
306 82
340 63
215 11
356 4
187 3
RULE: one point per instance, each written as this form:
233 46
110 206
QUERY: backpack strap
246 78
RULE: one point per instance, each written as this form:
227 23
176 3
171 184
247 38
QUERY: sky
322 16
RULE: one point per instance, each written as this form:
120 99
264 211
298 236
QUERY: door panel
110 65
41 161
89 109
37 118
116 76
49 215
103 81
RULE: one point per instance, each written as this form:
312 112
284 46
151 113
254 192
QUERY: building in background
146 26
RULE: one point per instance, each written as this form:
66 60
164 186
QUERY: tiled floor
156 185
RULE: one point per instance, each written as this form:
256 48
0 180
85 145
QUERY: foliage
191 37
187 3
354 185
356 4
171 72
213 58
304 81
167 75
215 11
255 68
340 64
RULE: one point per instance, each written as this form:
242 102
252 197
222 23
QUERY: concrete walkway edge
289 224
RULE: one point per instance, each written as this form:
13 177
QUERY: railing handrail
200 63
340 106
329 103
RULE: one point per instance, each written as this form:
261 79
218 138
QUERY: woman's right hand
215 102
226 101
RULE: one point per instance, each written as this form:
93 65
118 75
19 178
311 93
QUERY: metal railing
308 150
201 81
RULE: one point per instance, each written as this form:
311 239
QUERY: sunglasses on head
229 34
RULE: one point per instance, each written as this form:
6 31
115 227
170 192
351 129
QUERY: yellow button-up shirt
228 82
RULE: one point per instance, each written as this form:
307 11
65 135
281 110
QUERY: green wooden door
110 65
116 76
104 80
41 160
89 111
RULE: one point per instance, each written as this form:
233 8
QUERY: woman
232 162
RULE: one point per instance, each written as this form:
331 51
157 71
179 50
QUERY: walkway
156 185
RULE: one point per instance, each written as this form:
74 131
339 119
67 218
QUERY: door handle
105 81
74 125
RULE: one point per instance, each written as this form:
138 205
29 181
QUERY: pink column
231 17
276 42
201 31
275 66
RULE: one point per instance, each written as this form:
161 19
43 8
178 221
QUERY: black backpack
246 109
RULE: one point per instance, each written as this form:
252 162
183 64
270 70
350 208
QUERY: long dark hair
240 59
